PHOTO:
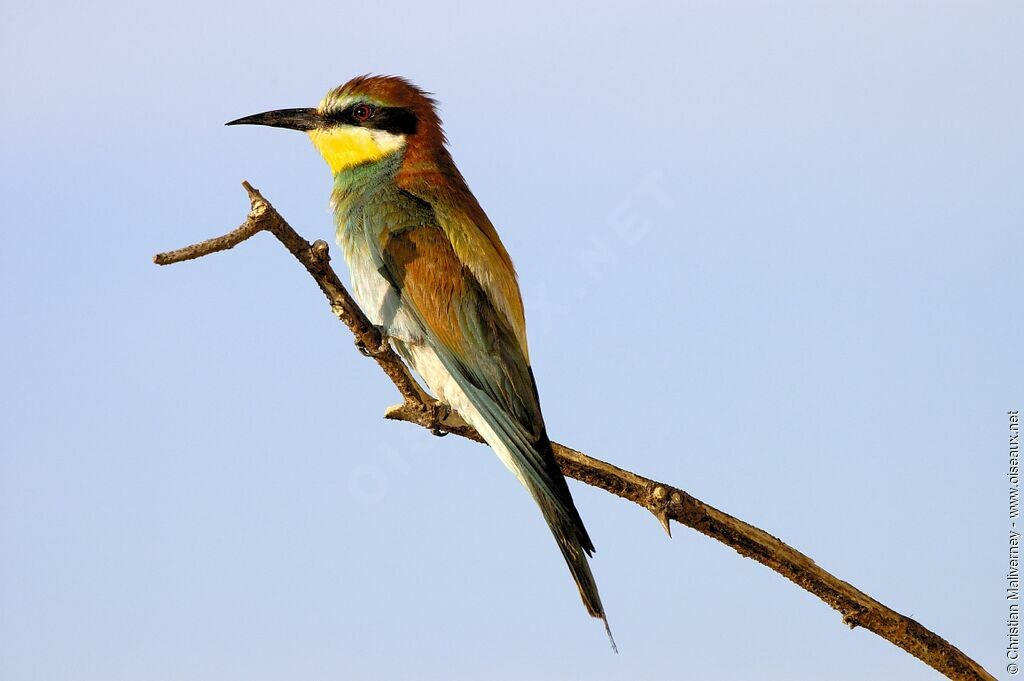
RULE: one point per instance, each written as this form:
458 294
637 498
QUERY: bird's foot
439 412
368 350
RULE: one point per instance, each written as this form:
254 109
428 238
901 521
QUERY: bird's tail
527 452
532 460
576 547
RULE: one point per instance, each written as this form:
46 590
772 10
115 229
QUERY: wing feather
473 238
481 351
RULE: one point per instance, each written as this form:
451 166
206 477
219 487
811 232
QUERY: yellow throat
345 146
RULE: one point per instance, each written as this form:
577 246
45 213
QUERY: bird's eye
362 112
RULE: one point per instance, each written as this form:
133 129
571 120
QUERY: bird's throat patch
346 146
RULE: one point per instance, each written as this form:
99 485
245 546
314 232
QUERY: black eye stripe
393 119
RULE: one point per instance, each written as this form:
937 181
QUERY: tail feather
575 554
546 484
527 452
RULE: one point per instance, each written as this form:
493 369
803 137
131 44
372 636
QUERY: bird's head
363 121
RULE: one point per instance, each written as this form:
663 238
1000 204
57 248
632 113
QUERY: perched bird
429 270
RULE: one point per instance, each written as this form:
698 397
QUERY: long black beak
293 119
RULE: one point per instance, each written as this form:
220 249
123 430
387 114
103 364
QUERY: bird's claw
439 411
367 351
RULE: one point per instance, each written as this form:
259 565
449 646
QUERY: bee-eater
429 270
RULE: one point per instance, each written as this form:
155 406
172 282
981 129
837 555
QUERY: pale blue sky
768 254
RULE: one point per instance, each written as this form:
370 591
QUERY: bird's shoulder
473 240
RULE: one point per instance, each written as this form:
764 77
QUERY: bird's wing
472 236
479 346
461 320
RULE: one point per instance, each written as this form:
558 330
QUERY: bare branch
664 501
